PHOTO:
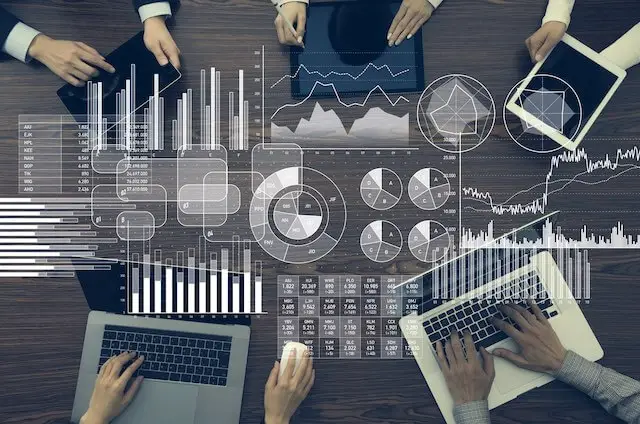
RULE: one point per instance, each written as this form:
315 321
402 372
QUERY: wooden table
43 320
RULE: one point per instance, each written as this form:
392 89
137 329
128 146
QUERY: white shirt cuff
435 3
19 40
161 8
625 52
559 10
281 2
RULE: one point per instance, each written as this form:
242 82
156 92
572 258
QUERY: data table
347 316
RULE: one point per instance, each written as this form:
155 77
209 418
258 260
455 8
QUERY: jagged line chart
539 205
340 74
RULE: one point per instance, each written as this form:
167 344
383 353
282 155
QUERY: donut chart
429 241
429 189
297 215
381 189
381 241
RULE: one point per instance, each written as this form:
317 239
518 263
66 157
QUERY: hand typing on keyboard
112 392
468 378
540 348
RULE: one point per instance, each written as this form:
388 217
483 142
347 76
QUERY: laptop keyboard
474 314
170 355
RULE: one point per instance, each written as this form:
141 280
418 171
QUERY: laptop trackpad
159 402
508 376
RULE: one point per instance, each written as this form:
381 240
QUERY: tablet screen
133 52
346 46
579 83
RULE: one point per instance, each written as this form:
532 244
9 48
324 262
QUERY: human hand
296 12
410 17
468 379
540 348
283 394
543 40
110 395
159 41
73 61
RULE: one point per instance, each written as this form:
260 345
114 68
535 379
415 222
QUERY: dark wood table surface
42 321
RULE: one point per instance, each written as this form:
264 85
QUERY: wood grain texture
42 321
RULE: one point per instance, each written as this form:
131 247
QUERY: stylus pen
287 21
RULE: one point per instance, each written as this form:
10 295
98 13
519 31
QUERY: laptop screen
479 266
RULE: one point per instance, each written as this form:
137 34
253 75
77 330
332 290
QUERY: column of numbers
288 328
309 311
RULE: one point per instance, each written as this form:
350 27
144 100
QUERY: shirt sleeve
625 52
472 413
161 8
617 393
281 2
19 40
434 3
558 10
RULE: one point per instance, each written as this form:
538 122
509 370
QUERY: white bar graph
169 289
157 288
146 295
258 297
236 295
180 293
191 284
241 110
202 288
135 294
224 294
213 121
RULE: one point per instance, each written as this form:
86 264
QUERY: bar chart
142 127
224 282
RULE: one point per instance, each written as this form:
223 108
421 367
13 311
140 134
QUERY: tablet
346 50
132 52
563 95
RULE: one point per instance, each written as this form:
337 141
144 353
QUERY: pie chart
381 189
429 189
381 241
429 241
297 215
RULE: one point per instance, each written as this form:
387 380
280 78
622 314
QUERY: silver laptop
530 274
194 372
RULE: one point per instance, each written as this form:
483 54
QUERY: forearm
617 393
625 52
472 413
558 10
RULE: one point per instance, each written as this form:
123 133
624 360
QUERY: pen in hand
288 22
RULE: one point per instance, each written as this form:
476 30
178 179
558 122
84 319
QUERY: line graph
549 186
340 74
338 98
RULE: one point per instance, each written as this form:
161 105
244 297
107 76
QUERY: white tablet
564 93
